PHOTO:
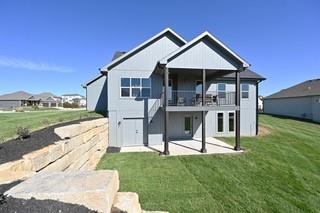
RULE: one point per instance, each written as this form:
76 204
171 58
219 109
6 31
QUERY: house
69 98
300 101
167 88
48 99
260 103
81 102
98 85
18 99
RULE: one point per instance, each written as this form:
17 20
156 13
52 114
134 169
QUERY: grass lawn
280 172
9 122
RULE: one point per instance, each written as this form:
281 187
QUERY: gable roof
205 34
117 54
307 88
45 95
141 46
20 95
246 74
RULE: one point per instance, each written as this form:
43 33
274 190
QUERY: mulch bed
14 149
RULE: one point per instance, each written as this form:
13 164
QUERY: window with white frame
222 90
136 87
245 90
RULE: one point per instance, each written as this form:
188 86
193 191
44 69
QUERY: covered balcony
203 59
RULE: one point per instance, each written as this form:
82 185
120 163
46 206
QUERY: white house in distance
300 101
74 98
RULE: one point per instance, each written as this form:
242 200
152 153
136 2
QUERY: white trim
206 33
105 67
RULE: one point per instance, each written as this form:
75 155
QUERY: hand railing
193 98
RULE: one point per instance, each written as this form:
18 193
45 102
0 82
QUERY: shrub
35 107
68 105
23 132
19 109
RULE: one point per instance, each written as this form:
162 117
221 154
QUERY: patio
187 147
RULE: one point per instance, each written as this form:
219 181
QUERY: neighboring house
82 102
167 88
69 98
18 99
48 99
260 103
301 101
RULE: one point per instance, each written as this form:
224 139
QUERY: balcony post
166 116
237 146
203 149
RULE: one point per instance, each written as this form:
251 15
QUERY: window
222 90
136 87
220 122
125 87
231 121
198 87
187 125
245 90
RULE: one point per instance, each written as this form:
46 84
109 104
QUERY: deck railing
192 98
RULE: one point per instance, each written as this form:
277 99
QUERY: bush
19 109
35 107
68 105
23 132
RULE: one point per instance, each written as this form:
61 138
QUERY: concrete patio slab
187 147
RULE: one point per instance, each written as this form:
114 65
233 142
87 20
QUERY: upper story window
245 90
136 87
222 90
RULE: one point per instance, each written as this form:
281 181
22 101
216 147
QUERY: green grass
280 172
9 122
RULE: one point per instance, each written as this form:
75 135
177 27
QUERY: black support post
203 149
237 146
166 117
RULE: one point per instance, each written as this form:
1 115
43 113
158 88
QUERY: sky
57 45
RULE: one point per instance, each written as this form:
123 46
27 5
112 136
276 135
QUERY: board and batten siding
97 95
203 54
140 65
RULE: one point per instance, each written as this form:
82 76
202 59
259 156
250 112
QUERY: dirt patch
14 149
263 131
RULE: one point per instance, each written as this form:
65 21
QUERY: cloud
32 65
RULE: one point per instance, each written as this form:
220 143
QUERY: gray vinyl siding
203 55
316 108
140 65
300 107
7 104
97 95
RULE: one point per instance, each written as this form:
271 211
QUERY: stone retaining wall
80 148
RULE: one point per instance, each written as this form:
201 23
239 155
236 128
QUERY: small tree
23 132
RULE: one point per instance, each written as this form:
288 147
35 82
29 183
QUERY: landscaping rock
126 202
94 189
